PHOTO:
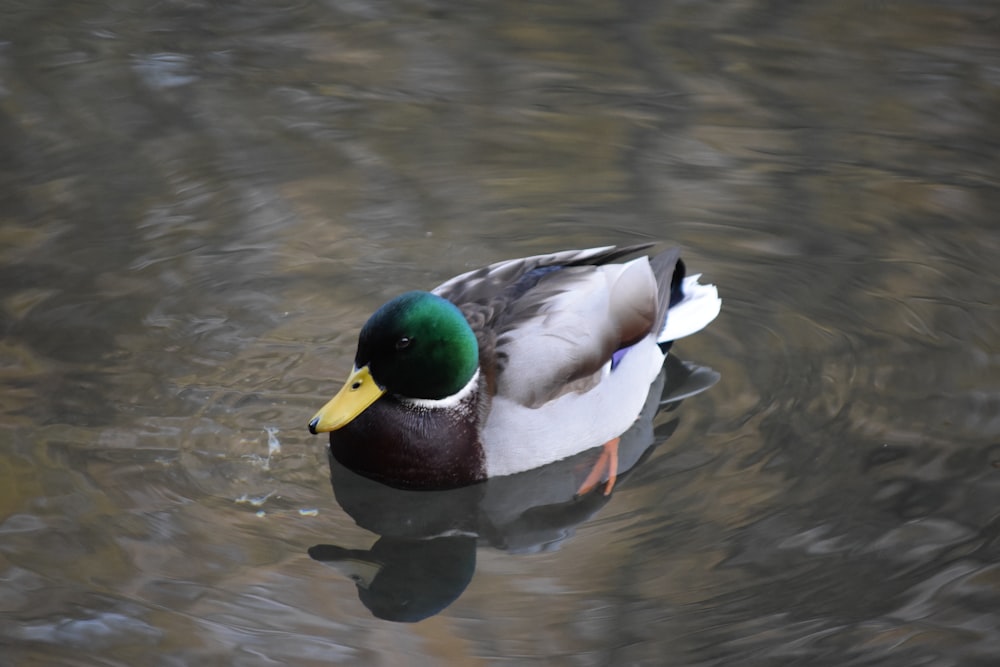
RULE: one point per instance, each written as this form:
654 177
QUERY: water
201 203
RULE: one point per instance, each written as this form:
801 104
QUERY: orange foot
608 459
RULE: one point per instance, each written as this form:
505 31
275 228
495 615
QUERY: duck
513 366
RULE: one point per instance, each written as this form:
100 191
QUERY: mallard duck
513 366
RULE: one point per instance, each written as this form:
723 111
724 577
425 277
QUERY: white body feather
517 438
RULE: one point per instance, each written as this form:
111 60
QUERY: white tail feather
700 305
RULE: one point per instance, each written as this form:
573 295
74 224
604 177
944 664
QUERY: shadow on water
426 552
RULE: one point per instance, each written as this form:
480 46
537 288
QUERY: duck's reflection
426 554
406 579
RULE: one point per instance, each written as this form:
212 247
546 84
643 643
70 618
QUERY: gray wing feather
543 332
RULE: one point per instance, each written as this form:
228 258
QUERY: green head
420 346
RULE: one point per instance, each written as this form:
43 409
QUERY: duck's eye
403 343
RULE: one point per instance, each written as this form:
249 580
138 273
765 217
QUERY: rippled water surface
201 203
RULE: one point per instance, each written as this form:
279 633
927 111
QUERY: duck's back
548 324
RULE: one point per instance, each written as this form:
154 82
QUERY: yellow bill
358 393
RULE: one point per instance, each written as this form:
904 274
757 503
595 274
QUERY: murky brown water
200 204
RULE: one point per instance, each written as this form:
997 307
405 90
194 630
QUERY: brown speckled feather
548 324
